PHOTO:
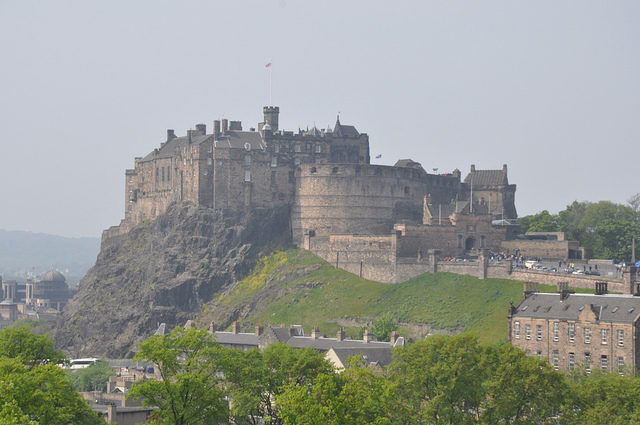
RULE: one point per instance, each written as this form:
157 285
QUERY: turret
271 116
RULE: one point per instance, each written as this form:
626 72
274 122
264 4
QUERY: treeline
604 227
439 380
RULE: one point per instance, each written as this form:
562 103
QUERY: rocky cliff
164 271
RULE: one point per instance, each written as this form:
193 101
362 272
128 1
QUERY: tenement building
590 331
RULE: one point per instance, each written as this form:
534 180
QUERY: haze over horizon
551 89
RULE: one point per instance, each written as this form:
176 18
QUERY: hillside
22 252
163 271
295 286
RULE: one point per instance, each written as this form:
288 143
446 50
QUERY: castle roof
607 308
347 131
240 140
487 177
172 146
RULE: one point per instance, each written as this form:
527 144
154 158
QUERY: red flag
268 65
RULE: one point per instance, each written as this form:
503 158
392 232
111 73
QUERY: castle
372 215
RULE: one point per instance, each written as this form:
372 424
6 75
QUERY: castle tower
271 116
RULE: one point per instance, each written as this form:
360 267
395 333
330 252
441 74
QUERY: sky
550 88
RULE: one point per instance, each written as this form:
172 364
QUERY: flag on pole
378 156
268 65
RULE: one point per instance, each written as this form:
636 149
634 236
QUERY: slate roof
325 344
229 338
487 178
169 149
347 131
608 308
239 140
380 356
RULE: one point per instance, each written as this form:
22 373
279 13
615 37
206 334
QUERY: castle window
572 332
516 330
572 361
297 148
313 170
296 161
209 161
274 161
308 147
539 332
620 338
481 241
459 241
273 177
317 161
318 148
276 148
157 175
406 191
247 160
334 170
292 177
168 173
247 175
163 174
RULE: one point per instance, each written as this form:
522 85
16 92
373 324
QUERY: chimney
394 337
225 126
259 329
473 168
504 167
216 129
563 286
315 333
292 331
601 288
189 135
201 128
340 334
235 125
234 327
171 134
212 327
530 287
366 337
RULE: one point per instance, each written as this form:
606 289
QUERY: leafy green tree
21 344
41 394
254 379
541 222
439 380
383 326
92 378
190 390
357 396
37 326
603 399
521 389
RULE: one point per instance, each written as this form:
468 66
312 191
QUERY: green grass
295 286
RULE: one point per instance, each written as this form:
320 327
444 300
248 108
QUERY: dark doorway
469 244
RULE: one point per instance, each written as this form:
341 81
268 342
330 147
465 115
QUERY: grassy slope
297 287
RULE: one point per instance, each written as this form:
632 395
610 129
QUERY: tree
439 379
383 326
634 202
41 394
19 343
541 222
356 396
255 379
190 390
92 378
521 389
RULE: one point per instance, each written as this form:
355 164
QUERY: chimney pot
216 129
225 126
234 327
473 167
366 337
212 327
394 337
315 333
171 134
259 329
201 128
340 334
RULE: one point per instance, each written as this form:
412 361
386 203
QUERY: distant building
570 330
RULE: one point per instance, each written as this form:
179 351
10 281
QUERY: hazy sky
550 88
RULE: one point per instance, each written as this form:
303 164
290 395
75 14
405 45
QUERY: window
620 338
572 332
297 148
556 329
539 332
604 362
621 365
163 174
527 331
247 175
459 241
168 173
516 330
292 177
296 161
587 362
554 359
274 161
587 336
157 174
539 354
276 148
247 160
572 361
603 336
481 241
209 161
318 148
273 177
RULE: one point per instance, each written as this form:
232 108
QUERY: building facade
573 331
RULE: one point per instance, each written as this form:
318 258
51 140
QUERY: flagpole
270 102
